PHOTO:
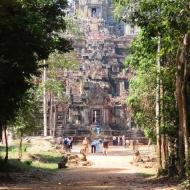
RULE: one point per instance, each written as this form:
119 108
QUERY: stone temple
97 91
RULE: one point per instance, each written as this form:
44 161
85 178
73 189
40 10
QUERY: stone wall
97 90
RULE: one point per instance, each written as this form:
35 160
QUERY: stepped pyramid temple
97 91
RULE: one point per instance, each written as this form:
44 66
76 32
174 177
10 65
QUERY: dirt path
113 171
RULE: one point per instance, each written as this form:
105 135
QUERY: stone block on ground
82 157
73 157
86 163
62 151
73 161
61 165
63 162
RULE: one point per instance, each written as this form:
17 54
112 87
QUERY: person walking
71 142
85 144
114 141
118 140
99 146
105 147
123 141
93 146
66 143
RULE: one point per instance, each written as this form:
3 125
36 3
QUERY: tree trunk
181 153
165 143
162 123
186 116
182 76
6 143
158 137
20 146
1 132
2 124
163 146
172 169
44 99
51 114
54 117
180 111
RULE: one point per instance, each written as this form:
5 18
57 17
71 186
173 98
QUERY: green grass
13 151
43 160
13 165
47 160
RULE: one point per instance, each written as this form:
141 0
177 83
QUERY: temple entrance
96 120
93 13
96 117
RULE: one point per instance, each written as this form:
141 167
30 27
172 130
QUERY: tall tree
29 32
170 19
182 94
28 117
55 83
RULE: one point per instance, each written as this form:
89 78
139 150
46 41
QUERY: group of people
119 140
122 141
97 145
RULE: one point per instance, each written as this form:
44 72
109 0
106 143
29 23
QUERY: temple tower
97 91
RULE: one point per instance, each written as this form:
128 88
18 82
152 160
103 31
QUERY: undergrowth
41 160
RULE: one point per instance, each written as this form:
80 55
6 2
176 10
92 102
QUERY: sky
69 1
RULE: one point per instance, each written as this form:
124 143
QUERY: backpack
65 142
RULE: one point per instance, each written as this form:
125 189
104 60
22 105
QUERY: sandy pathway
113 171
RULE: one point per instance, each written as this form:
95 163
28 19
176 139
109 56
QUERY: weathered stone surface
61 165
82 156
73 157
86 163
98 89
63 162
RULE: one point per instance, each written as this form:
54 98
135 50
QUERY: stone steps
76 98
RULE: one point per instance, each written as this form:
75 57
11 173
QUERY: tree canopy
165 22
29 32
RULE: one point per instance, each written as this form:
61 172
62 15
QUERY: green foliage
157 15
185 184
143 84
13 165
28 162
58 60
48 160
153 18
27 118
57 64
55 86
167 21
73 29
30 31
169 107
41 160
150 133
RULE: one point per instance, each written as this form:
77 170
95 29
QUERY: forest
160 88
159 60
